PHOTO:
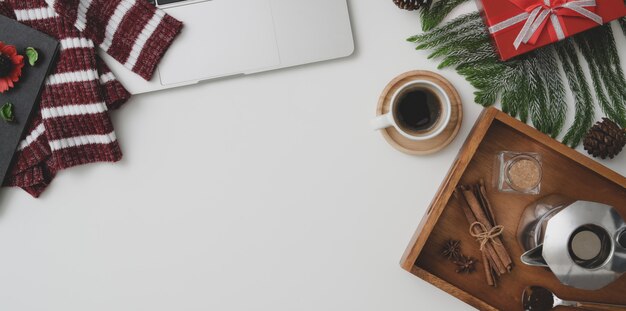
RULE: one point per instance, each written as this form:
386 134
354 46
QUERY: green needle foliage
580 88
531 87
433 14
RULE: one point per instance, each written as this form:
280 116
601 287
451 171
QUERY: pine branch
483 52
480 74
515 94
583 45
532 86
600 42
484 76
584 115
487 90
537 95
473 29
614 70
435 13
555 108
458 49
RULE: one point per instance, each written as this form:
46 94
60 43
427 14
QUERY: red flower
11 65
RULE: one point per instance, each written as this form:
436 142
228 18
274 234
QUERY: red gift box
520 26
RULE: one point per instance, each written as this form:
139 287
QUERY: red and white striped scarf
73 126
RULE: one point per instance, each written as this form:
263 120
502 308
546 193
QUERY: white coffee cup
390 119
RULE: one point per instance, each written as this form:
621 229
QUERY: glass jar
520 172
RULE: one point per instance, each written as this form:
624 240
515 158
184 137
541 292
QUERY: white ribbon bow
536 17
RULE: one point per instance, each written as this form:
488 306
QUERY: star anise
465 264
452 249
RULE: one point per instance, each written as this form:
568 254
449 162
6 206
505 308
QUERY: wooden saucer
395 139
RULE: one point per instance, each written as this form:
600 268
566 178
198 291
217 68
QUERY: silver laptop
223 38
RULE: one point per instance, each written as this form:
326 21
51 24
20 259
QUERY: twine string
484 235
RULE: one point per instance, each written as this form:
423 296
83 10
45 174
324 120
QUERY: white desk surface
266 192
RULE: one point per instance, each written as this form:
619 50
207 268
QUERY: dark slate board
25 94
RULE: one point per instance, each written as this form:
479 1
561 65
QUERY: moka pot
583 243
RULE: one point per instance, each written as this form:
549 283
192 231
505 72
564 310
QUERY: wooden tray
565 171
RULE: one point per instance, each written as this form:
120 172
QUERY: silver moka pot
583 243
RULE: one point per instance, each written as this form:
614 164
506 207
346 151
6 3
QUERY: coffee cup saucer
434 144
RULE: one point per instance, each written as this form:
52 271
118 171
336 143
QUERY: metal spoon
536 298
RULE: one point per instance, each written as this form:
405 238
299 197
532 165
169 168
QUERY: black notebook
25 94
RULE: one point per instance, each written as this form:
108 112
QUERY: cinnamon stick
489 210
483 193
500 267
495 276
483 204
487 268
476 208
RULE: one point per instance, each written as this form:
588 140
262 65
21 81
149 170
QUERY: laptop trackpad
220 38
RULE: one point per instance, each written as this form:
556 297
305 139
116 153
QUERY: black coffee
540 299
418 109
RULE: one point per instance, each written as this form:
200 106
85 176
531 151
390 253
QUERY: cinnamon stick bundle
479 214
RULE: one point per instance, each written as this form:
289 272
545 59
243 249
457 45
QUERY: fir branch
436 12
537 94
532 86
613 53
467 32
461 21
599 43
458 36
482 53
555 108
457 49
486 91
583 101
583 45
615 75
515 93
480 74
483 75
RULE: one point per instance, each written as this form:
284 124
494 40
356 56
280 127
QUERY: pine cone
605 139
411 5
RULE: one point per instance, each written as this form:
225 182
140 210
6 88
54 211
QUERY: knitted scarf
72 126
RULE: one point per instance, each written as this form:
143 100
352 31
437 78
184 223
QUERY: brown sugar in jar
523 173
